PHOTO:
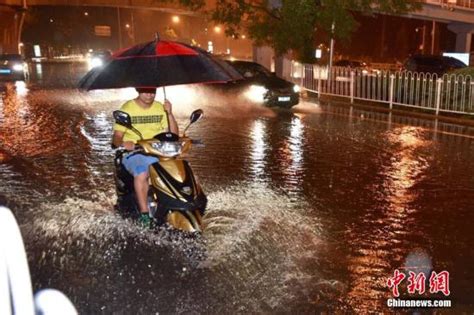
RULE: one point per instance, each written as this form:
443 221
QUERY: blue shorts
138 163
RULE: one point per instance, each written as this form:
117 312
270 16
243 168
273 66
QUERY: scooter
175 198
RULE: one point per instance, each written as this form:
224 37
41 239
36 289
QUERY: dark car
351 64
262 86
13 68
432 64
99 58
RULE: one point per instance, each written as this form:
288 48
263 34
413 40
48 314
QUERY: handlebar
155 147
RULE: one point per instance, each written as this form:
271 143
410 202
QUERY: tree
291 24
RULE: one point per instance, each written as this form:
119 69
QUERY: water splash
259 244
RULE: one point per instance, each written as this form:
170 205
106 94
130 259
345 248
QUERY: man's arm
173 125
117 141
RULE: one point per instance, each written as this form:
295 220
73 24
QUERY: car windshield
251 69
11 57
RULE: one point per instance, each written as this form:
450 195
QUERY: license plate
284 99
5 71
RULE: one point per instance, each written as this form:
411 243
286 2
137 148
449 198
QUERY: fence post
319 82
390 92
352 87
301 74
291 71
438 94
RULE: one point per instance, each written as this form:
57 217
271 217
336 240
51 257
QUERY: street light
175 19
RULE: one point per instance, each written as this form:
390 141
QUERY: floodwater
310 210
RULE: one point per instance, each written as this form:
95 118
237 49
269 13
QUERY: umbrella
159 63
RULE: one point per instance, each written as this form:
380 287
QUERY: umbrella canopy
159 63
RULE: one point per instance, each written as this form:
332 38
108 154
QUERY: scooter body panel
174 196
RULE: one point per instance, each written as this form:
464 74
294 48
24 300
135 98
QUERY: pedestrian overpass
12 14
459 14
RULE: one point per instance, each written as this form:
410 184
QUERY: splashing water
258 246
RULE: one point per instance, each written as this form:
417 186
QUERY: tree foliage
291 24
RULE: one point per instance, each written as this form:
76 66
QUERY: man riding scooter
150 118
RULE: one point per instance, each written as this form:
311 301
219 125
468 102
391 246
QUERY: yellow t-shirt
149 121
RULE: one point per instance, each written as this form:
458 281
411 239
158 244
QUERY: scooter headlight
168 148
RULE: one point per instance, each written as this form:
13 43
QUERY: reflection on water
406 167
21 89
259 147
309 211
39 70
296 142
394 223
293 167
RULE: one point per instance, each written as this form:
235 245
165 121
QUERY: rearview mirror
196 115
122 118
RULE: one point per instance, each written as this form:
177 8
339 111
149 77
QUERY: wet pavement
310 210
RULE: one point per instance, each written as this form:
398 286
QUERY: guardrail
446 93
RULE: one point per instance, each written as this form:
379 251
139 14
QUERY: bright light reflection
39 70
406 168
258 148
296 142
21 88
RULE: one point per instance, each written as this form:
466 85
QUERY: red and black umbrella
159 63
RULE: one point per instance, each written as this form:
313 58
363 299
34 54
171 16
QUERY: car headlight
167 148
18 67
296 88
96 62
256 93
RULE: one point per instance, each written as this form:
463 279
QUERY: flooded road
310 210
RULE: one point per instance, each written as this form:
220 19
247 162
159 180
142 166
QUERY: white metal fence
446 93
